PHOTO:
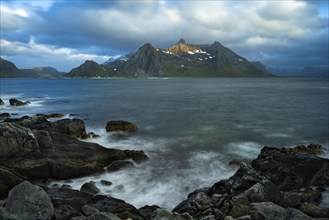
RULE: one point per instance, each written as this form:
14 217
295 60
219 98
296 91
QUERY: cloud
108 28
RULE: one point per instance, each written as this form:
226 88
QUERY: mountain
90 69
42 72
9 70
180 60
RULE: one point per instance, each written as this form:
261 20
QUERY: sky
63 34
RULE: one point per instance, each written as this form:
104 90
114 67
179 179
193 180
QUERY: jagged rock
147 211
296 197
289 170
137 156
15 102
89 188
120 125
1 102
29 202
16 141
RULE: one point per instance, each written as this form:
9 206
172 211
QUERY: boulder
119 165
161 214
1 102
290 170
120 125
106 183
15 102
314 211
89 188
4 115
29 202
271 211
73 127
16 141
52 115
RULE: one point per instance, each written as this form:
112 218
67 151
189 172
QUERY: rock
29 202
16 141
15 102
314 211
1 102
161 214
270 211
8 179
296 197
73 127
4 115
263 191
88 210
89 188
137 156
119 165
120 125
52 115
289 170
147 211
106 183
45 142
103 216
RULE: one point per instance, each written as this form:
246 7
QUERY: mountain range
9 70
180 60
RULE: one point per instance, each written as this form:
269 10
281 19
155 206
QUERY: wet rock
88 210
161 214
29 202
15 102
106 183
89 188
73 127
52 115
88 135
271 211
119 165
314 211
289 170
120 125
16 141
147 211
1 102
296 197
4 115
45 142
8 179
137 156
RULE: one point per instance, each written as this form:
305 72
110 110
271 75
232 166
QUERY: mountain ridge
179 60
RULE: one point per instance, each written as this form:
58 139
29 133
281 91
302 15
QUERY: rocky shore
281 183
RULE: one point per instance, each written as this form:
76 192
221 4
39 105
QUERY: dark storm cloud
297 31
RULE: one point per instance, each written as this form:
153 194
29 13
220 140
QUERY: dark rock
1 102
147 211
161 214
88 135
4 115
8 179
120 126
73 127
270 211
314 211
119 165
52 115
15 102
45 142
289 170
296 197
137 156
29 202
16 141
106 183
89 188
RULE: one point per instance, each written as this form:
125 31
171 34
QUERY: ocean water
190 128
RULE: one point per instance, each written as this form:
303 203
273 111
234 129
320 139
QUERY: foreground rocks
33 148
281 183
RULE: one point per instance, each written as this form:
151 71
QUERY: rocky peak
182 47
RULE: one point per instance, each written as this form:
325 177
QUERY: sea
191 128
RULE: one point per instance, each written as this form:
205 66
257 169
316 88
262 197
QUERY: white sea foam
247 150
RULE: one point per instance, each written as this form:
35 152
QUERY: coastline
267 185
